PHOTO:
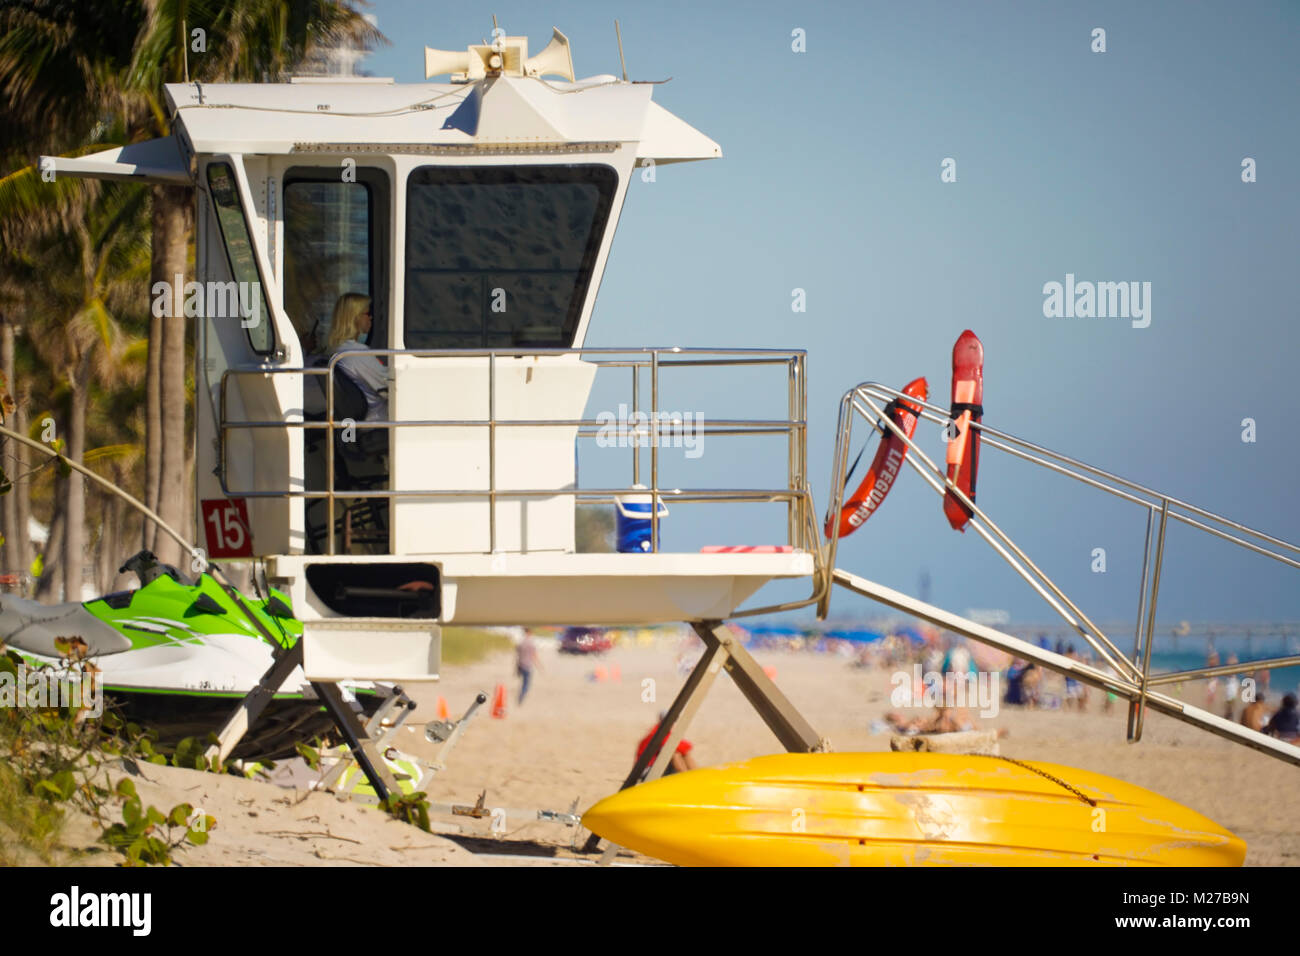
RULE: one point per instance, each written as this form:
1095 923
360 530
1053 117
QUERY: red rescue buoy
964 441
885 466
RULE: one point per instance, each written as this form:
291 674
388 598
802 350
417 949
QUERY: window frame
601 175
268 318
378 234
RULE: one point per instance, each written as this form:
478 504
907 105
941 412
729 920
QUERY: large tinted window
333 244
500 256
255 317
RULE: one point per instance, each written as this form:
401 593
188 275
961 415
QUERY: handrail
862 400
651 427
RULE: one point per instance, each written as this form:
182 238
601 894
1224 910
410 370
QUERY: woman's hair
346 324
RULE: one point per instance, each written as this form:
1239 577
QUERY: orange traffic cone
601 676
443 712
615 673
499 701
770 671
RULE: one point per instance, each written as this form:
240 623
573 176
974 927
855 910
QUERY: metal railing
868 400
802 532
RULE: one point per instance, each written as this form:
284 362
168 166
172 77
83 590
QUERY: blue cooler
634 520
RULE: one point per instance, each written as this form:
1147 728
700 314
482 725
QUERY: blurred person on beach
1076 695
1022 684
1286 722
526 661
933 658
958 659
1212 685
1015 694
945 720
681 760
1031 686
1231 689
1254 714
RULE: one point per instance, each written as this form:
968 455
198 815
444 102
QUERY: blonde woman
351 321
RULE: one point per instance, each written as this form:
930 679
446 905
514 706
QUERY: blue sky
1115 166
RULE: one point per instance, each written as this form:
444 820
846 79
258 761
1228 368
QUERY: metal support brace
362 747
1137 709
1103 680
795 733
452 735
255 701
355 733
721 651
381 728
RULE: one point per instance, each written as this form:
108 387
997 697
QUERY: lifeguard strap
959 407
883 430
879 427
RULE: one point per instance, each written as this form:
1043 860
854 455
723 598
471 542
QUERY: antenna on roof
619 33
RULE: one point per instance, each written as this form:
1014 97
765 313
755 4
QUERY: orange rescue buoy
884 468
964 441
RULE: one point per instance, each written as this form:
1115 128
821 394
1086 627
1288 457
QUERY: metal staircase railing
1130 678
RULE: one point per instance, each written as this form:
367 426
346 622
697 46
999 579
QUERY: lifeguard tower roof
512 114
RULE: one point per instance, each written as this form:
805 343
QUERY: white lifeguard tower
477 215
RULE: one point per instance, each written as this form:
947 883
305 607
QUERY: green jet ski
176 655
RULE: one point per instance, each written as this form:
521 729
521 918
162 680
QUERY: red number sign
225 523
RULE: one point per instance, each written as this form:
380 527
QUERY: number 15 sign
225 522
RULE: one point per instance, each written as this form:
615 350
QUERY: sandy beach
573 741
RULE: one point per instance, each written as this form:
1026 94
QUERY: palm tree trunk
109 559
152 420
74 529
22 493
50 584
12 557
171 221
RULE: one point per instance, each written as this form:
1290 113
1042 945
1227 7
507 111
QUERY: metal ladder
1128 678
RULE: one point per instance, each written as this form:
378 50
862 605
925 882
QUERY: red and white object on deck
884 468
964 441
746 549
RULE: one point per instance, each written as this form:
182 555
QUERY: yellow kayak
900 809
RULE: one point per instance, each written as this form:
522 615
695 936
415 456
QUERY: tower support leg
721 652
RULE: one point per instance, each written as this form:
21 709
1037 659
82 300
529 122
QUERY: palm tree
243 40
71 71
90 274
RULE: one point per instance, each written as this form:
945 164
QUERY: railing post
329 454
492 452
1137 710
636 436
791 447
1142 607
654 451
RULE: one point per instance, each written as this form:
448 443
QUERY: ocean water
1171 653
1284 680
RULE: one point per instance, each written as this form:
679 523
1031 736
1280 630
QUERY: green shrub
57 760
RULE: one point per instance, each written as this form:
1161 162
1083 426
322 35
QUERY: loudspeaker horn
554 60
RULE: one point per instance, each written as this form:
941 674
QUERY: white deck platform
613 589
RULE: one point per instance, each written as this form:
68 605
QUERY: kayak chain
1043 773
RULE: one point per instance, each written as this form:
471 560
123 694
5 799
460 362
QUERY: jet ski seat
30 626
